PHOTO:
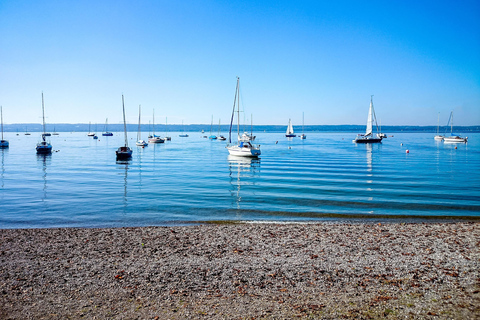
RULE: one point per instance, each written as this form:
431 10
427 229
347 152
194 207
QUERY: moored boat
241 148
368 137
44 147
124 152
453 138
3 143
290 133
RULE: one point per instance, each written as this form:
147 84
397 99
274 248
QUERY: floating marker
407 151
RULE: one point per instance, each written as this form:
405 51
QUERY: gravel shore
243 271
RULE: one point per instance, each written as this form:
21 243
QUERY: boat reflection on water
2 172
123 164
45 160
243 174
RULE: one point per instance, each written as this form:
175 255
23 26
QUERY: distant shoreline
162 128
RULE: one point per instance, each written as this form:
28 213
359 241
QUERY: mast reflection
243 172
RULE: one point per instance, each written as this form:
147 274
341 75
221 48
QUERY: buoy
289 147
455 147
401 144
276 142
407 151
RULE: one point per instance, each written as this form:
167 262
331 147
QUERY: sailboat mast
153 123
438 123
233 114
139 112
1 116
238 106
43 115
124 123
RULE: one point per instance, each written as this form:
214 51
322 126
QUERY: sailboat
26 132
3 143
303 136
453 138
167 138
55 133
90 133
184 135
220 137
438 136
368 136
140 142
124 152
212 136
242 148
106 133
289 133
43 147
153 138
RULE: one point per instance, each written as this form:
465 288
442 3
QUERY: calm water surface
194 179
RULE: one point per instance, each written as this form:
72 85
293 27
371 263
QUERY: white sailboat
153 138
241 148
290 133
124 152
303 136
438 136
453 138
90 133
3 143
368 137
43 147
183 134
140 142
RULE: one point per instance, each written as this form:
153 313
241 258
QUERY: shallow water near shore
325 177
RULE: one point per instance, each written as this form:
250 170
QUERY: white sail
290 127
370 119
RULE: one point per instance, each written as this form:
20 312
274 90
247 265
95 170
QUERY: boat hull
438 138
367 140
290 135
243 152
156 140
454 139
107 134
123 153
141 143
44 149
3 144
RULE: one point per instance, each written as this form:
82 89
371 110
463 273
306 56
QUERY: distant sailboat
438 136
453 138
106 133
153 138
140 142
303 136
26 132
55 133
43 147
184 135
167 138
220 137
290 133
368 136
124 152
242 148
3 143
90 133
212 136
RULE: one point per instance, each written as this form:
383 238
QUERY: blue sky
181 58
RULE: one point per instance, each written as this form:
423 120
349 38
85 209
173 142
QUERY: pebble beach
243 271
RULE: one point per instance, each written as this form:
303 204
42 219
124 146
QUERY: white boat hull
439 138
243 151
455 139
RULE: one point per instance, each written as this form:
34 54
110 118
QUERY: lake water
193 179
